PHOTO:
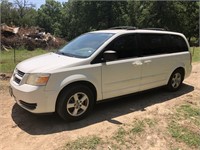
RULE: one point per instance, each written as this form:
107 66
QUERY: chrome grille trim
18 76
20 73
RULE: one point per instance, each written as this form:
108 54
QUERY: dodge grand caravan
100 65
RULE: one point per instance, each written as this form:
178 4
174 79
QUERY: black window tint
176 44
151 44
125 46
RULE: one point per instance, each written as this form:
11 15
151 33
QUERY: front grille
17 80
18 76
30 106
20 73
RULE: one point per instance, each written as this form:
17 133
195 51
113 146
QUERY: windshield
85 45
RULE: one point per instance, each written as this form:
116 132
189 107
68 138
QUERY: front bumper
35 99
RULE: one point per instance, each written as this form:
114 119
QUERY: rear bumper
188 71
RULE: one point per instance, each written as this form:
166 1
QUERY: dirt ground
20 129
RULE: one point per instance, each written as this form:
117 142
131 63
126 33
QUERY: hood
48 63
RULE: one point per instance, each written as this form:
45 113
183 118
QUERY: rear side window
154 44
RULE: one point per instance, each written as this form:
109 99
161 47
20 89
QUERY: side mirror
109 55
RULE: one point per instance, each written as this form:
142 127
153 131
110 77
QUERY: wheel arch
182 69
178 68
82 82
174 83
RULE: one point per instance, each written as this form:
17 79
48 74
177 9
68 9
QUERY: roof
124 31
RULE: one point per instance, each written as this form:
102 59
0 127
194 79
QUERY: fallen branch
6 49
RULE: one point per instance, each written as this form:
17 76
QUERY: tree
73 18
6 12
84 16
163 14
189 15
20 13
179 16
49 16
25 13
138 12
22 6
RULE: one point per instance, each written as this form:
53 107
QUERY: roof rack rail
160 29
123 27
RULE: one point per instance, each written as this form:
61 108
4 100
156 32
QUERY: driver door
123 75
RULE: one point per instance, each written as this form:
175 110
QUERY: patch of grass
183 134
7 63
138 127
150 122
119 136
189 112
89 142
195 51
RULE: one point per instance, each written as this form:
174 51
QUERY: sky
38 3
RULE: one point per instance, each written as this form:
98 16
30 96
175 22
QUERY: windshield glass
85 45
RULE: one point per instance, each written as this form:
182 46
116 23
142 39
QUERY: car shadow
105 111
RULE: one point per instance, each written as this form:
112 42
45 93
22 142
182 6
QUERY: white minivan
100 65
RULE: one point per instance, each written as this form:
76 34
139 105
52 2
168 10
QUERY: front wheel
175 80
75 102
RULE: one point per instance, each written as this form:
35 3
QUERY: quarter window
176 44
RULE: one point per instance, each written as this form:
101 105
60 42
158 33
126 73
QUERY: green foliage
83 16
49 16
89 142
160 12
73 18
6 12
19 13
189 16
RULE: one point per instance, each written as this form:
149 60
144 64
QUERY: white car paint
110 79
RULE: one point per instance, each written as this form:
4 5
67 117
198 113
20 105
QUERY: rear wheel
175 80
75 102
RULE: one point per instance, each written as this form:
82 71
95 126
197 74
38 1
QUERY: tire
176 80
75 102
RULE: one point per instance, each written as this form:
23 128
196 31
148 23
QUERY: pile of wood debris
29 38
4 76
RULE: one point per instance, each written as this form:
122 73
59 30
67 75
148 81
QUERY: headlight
38 79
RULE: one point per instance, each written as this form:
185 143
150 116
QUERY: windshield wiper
66 54
62 53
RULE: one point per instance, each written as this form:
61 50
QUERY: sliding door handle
147 61
137 63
